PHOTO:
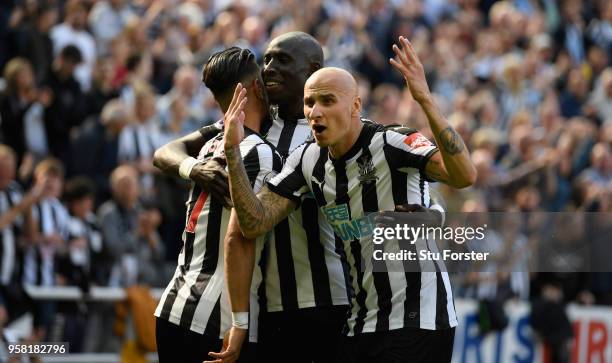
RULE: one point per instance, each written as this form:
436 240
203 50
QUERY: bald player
353 169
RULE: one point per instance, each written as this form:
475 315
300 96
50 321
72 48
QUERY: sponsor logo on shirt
417 140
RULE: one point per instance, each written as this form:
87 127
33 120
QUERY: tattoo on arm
451 141
256 214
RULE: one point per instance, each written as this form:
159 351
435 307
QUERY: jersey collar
366 133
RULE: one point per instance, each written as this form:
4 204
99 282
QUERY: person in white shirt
72 31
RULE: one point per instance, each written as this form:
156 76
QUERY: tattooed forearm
453 166
256 213
451 141
248 207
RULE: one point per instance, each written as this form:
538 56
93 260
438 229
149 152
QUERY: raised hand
234 118
409 65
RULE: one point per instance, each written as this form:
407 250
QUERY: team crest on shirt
367 170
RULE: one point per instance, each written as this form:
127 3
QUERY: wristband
186 166
240 320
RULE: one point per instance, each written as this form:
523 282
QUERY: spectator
68 108
96 146
82 263
107 19
72 31
52 218
600 28
37 46
601 97
139 139
16 232
600 172
130 233
188 92
77 266
39 265
103 88
575 94
386 100
571 34
21 110
138 70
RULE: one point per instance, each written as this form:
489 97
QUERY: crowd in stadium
91 88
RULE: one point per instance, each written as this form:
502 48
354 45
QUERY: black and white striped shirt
9 197
383 169
303 264
39 260
196 297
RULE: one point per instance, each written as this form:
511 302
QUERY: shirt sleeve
290 182
413 151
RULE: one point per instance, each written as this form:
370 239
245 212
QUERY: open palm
234 118
409 65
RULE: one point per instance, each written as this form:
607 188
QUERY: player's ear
356 109
258 88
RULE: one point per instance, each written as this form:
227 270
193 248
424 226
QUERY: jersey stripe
369 201
342 197
316 254
286 137
286 268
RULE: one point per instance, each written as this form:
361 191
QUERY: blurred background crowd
90 88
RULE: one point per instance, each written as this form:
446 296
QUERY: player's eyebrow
327 96
321 96
279 53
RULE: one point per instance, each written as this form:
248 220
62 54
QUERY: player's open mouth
318 129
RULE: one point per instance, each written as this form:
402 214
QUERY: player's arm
257 214
239 251
452 165
239 255
168 158
239 263
177 158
